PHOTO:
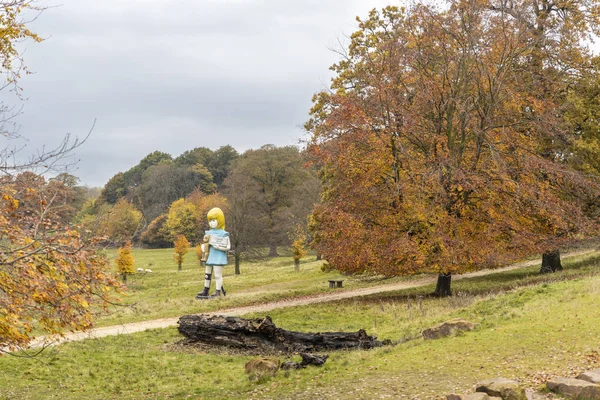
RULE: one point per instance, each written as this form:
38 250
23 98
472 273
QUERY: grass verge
529 327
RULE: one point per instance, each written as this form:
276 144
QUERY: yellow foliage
125 262
182 246
49 276
122 221
298 249
182 219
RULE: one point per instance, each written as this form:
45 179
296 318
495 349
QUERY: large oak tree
277 175
433 146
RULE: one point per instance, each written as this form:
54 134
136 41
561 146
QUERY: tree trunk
237 256
261 334
551 262
442 288
296 265
319 256
273 250
124 276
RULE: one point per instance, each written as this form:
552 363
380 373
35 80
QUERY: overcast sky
171 75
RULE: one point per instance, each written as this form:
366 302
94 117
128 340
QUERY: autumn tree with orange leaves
433 147
182 246
562 69
50 278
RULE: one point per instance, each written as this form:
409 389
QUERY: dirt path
263 308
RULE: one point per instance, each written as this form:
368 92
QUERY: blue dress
215 256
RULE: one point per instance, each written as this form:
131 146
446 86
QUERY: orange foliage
205 202
431 145
182 246
49 276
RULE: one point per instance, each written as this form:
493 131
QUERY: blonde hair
217 213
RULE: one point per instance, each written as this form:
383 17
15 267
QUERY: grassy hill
529 327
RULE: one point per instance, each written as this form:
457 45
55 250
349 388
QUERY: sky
174 75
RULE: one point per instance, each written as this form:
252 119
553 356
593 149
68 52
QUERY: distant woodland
266 194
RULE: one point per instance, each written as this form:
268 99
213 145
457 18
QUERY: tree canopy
158 179
433 147
271 179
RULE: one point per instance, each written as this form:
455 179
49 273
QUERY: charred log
262 334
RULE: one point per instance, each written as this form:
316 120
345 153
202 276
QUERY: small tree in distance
125 260
298 247
198 251
182 246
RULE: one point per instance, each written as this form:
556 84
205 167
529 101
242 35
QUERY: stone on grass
307 359
291 365
507 389
590 376
574 388
259 367
448 328
471 396
534 395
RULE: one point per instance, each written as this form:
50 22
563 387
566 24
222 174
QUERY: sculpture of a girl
215 245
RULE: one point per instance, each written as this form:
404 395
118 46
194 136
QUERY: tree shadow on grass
493 283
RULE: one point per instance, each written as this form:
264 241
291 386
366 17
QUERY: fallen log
262 334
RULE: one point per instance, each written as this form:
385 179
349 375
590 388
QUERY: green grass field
167 292
528 327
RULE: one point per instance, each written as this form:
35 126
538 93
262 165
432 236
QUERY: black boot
203 294
217 294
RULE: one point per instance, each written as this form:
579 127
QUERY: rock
507 389
448 328
291 365
471 396
533 395
574 388
260 367
590 376
313 359
307 359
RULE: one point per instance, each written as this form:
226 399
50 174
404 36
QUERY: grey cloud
172 75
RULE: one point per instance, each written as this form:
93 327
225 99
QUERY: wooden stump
261 334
